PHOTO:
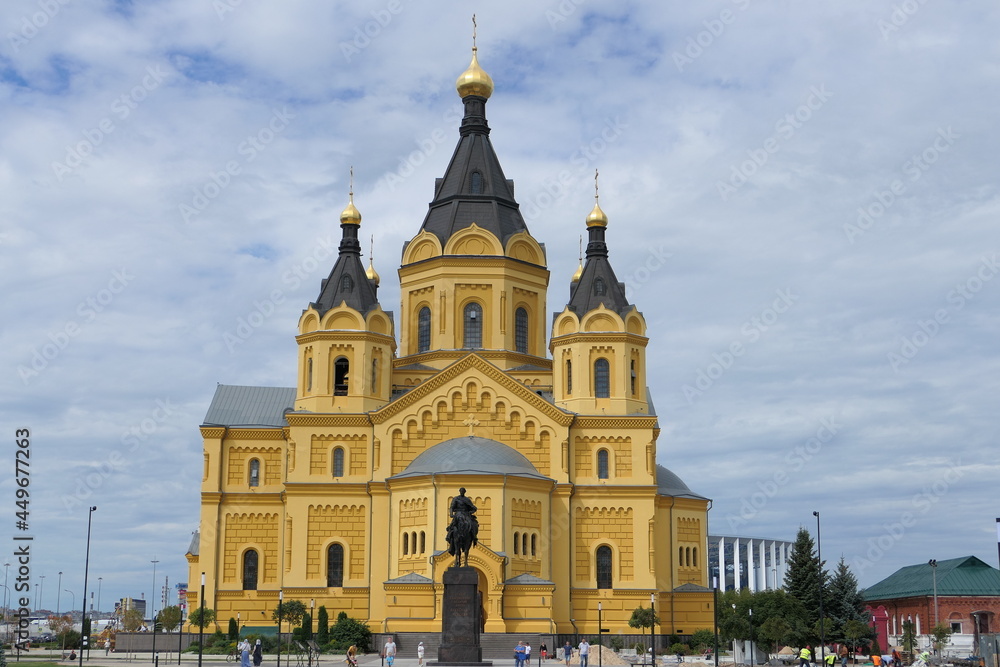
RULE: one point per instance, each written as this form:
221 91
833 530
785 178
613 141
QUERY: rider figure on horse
463 531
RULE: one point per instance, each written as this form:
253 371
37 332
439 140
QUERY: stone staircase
496 646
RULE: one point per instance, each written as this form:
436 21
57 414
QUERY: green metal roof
956 576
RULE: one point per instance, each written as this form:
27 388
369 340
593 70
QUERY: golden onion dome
350 215
372 273
597 217
578 274
474 80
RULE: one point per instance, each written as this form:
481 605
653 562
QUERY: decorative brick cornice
631 421
313 419
476 362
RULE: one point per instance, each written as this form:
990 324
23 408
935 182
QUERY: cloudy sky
802 201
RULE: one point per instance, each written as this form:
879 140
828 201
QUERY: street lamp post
74 601
600 637
99 580
715 615
152 608
201 621
819 556
734 635
751 639
6 596
84 635
281 597
933 563
652 626
59 597
41 591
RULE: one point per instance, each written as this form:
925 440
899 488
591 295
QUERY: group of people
894 659
388 653
245 651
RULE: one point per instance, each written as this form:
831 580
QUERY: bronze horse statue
463 531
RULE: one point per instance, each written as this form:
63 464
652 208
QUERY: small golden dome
578 274
474 80
350 215
372 273
597 218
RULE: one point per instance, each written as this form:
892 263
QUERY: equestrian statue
463 531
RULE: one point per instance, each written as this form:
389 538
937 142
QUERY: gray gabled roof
528 580
265 407
691 588
411 578
195 543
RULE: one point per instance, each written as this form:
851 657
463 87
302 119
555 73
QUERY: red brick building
968 600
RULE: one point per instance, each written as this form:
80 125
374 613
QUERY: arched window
600 289
476 183
309 375
602 464
632 376
694 556
569 376
534 543
602 379
335 566
374 376
604 566
406 544
424 329
341 368
413 542
338 462
680 556
517 543
346 283
473 320
521 331
254 472
250 570
423 542
524 544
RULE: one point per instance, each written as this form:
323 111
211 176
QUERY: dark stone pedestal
461 623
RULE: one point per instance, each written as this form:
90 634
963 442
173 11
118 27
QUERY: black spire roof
474 188
598 284
348 281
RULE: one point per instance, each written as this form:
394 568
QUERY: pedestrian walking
420 654
352 656
244 649
584 652
544 650
567 652
519 655
258 654
389 651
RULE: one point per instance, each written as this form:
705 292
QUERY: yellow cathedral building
336 491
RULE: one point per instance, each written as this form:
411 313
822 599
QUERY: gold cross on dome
472 423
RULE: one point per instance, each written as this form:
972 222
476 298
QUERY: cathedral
336 491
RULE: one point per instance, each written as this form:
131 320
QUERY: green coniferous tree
322 627
805 576
844 602
233 630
